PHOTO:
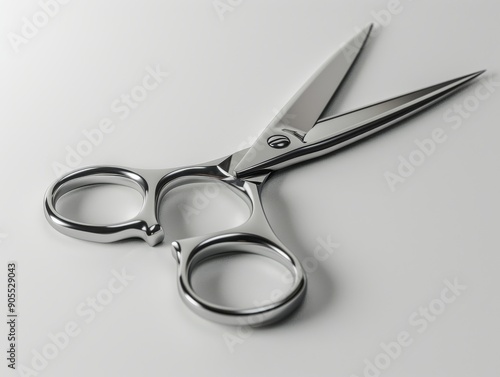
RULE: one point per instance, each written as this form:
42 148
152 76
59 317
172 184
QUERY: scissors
298 133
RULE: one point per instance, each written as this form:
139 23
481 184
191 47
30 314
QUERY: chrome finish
278 141
333 133
254 236
303 110
293 136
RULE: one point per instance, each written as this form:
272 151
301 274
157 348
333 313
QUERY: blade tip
365 32
472 76
467 78
477 73
360 39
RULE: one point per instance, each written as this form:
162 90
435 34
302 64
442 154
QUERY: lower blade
380 115
334 133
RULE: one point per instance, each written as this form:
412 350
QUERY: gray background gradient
228 74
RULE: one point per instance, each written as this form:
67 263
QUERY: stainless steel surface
245 173
304 109
254 236
336 132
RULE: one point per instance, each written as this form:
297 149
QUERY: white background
227 77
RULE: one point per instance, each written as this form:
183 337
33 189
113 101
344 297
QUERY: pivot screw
278 141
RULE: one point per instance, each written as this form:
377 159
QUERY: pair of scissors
298 133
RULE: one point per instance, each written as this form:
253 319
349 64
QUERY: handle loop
144 225
224 244
254 236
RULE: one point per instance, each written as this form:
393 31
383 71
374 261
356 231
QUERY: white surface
227 79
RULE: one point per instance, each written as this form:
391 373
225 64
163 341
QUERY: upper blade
336 132
303 110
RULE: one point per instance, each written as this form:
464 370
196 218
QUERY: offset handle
144 225
271 311
254 237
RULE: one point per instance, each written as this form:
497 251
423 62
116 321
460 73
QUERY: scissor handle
255 236
144 225
152 184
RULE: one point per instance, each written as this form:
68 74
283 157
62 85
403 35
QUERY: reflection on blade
337 132
372 118
301 113
306 106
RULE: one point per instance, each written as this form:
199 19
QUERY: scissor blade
305 107
369 119
303 110
336 132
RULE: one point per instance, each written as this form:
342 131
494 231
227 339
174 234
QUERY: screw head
278 141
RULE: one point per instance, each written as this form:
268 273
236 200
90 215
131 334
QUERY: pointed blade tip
476 74
358 42
366 32
362 34
467 78
473 75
